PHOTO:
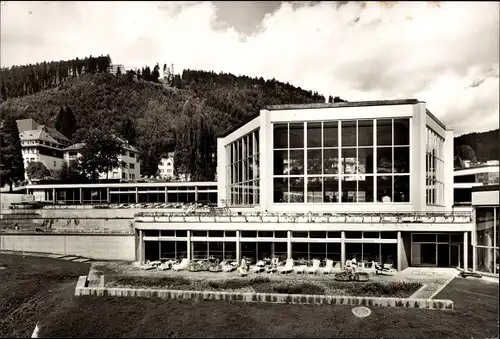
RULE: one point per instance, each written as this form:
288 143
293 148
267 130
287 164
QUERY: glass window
334 234
401 188
331 161
280 135
384 189
281 163
365 133
349 161
365 160
296 135
315 189
215 234
199 233
230 234
330 134
365 188
424 237
348 133
349 188
314 162
371 235
384 160
317 234
280 234
331 189
249 234
266 234
181 234
303 234
353 235
280 189
401 131
297 189
401 159
384 132
296 162
389 235
314 134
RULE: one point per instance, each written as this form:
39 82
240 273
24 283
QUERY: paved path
49 255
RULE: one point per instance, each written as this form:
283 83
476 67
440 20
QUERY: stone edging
82 290
423 287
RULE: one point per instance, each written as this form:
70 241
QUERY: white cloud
359 52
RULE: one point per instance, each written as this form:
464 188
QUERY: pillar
137 195
189 244
141 248
53 195
196 193
473 239
166 195
400 243
289 245
466 252
81 196
342 249
108 195
238 248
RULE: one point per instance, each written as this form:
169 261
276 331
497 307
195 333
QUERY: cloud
446 55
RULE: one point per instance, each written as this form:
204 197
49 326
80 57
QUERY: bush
343 276
300 288
163 282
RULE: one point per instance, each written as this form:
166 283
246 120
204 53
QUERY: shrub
164 282
343 276
298 288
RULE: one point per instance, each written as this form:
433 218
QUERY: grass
51 301
266 285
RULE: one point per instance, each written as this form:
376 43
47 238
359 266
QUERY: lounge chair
337 266
314 268
274 266
287 268
228 267
300 269
182 266
328 269
147 266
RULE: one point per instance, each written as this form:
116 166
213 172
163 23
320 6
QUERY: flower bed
266 285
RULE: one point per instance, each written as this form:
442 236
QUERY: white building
166 167
43 144
113 69
130 168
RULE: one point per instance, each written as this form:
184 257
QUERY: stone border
441 287
82 290
413 296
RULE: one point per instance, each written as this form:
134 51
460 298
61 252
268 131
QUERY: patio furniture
287 268
315 267
274 266
147 266
328 269
182 266
384 269
300 269
243 269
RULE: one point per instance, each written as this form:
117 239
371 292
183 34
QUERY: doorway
455 255
443 255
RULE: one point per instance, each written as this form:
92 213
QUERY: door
455 256
443 255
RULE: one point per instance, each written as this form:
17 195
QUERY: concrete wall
485 198
6 199
405 250
105 247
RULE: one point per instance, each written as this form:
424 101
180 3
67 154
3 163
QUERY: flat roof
486 188
125 185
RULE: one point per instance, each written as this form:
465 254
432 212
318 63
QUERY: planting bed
266 285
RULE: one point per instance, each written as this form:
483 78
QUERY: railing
346 217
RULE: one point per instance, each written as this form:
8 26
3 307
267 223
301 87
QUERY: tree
338 99
465 152
3 92
100 153
330 99
70 172
37 170
66 122
118 70
11 157
126 128
156 73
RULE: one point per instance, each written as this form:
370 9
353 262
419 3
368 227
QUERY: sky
443 53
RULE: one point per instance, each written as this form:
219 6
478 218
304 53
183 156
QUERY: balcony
344 218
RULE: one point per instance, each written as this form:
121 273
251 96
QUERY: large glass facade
487 239
351 161
434 165
242 170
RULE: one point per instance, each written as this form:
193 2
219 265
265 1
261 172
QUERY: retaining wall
94 246
82 290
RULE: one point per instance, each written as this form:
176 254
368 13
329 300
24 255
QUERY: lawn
49 298
263 284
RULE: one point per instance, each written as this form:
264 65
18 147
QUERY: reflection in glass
331 161
365 160
384 159
401 188
365 188
349 188
401 159
313 134
297 189
348 133
330 134
384 189
384 132
280 190
315 189
402 132
296 135
257 141
349 161
331 188
314 162
281 163
280 135
296 162
365 132
250 145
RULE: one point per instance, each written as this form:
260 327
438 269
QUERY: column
141 248
53 195
342 249
289 245
108 195
466 252
137 195
189 244
400 241
238 247
196 193
81 196
166 195
473 239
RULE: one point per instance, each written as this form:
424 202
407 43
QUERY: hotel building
371 179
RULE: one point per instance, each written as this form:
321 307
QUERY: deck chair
183 265
287 268
314 268
274 266
328 269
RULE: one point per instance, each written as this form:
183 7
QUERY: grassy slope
476 313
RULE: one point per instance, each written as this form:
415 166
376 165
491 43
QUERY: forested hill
485 146
156 117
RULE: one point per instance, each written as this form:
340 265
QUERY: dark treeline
485 146
18 81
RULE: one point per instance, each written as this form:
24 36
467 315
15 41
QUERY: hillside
158 118
485 145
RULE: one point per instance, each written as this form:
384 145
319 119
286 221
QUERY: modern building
372 179
486 239
465 179
113 69
166 167
41 143
129 169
